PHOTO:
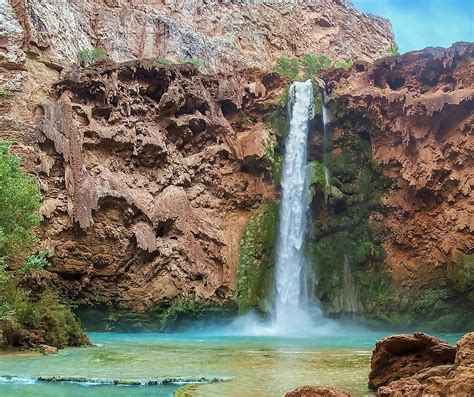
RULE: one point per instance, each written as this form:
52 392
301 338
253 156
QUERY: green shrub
25 318
89 56
312 64
393 51
164 61
36 262
20 201
347 64
197 62
288 67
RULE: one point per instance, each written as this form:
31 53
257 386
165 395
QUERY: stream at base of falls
245 366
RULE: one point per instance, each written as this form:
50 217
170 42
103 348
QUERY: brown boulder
47 350
401 356
443 380
318 391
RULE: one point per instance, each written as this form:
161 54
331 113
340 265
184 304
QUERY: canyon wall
225 35
151 172
412 117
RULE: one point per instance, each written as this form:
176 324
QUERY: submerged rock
318 391
399 356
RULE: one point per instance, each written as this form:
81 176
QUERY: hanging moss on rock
255 274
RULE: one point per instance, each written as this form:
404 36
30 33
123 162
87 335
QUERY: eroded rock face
317 391
225 35
421 106
400 356
147 184
442 380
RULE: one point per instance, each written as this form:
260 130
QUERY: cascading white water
291 299
326 123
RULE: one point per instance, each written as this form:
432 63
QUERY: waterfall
291 310
326 125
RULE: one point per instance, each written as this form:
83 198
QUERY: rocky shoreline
413 365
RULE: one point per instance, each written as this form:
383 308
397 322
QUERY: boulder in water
47 350
318 391
442 380
402 356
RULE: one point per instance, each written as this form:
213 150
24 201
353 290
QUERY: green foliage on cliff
197 62
186 312
345 236
276 119
20 200
255 273
312 64
26 317
89 56
393 51
288 67
316 178
461 272
347 64
303 68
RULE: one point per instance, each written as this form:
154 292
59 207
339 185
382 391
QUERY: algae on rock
254 278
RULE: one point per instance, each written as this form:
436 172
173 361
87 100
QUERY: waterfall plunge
295 310
292 300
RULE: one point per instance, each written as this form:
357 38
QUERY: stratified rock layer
225 35
421 106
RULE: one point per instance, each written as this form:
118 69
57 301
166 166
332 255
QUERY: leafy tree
27 315
288 67
20 201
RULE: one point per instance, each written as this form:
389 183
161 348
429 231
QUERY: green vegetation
393 51
90 56
316 178
276 160
461 272
186 312
347 64
303 68
26 317
312 64
197 62
164 61
20 201
288 67
255 274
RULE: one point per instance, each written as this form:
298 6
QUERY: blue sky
424 23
